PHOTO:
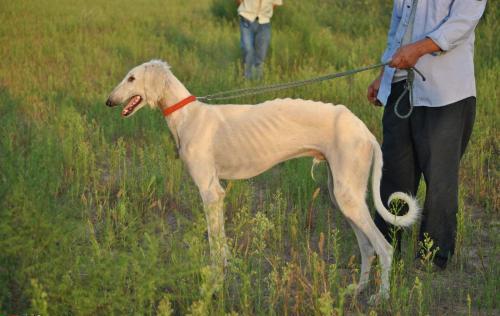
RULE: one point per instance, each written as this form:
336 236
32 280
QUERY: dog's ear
155 83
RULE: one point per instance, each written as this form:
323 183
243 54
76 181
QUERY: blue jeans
255 40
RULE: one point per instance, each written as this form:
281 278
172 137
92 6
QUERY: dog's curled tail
413 213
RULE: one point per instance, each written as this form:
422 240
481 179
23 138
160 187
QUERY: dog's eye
131 78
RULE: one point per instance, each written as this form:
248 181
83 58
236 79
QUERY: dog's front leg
212 195
214 214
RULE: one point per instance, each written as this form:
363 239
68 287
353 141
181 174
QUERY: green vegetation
98 217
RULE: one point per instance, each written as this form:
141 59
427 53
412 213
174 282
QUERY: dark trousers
431 143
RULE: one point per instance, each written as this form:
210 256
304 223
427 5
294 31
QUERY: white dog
242 141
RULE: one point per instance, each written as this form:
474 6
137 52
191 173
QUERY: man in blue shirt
437 37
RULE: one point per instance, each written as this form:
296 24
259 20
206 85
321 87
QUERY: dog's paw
376 299
352 289
355 289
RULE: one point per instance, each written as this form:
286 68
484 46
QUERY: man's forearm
408 55
426 46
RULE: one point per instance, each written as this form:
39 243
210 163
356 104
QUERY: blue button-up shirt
450 24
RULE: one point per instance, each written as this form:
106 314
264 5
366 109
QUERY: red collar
171 109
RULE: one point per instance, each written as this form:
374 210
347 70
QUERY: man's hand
408 55
373 91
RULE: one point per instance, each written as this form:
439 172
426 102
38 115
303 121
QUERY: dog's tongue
126 111
131 105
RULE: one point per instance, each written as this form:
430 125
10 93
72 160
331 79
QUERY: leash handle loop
408 89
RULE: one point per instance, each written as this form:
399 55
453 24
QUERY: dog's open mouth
131 105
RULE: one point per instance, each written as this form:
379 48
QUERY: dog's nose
109 102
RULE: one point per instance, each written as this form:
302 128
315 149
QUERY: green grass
97 216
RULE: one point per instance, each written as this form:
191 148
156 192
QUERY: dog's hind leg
365 247
382 248
330 186
367 256
369 237
351 165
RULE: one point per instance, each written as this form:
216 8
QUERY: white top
262 9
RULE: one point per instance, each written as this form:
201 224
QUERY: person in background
438 38
255 28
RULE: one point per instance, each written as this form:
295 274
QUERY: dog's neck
174 92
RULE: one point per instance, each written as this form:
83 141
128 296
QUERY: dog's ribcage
250 139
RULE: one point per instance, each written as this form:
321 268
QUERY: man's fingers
372 96
395 62
372 91
369 93
403 60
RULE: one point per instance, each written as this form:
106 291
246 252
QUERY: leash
236 93
410 78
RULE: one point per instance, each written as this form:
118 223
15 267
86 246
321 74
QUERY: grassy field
98 217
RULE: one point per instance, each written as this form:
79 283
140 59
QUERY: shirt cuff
438 53
440 40
386 56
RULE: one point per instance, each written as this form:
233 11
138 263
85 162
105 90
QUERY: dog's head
140 86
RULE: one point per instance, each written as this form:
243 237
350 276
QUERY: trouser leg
440 136
262 40
247 46
400 170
